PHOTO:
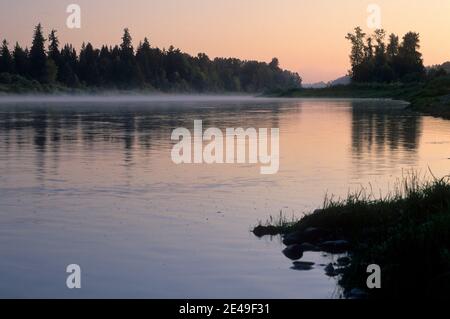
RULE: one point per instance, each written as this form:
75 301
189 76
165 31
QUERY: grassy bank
407 233
13 84
16 84
431 97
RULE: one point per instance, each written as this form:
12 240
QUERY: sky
308 36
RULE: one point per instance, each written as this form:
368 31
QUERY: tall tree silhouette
410 59
38 57
143 58
129 72
392 48
21 63
88 66
67 72
105 66
358 48
53 47
6 61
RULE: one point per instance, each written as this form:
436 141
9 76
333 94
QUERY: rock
262 231
293 238
357 294
293 252
309 247
309 235
344 261
330 271
314 235
302 265
335 247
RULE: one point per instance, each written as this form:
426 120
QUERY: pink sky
306 35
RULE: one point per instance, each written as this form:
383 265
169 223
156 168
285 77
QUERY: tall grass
406 232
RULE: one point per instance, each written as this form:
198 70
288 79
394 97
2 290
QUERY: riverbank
406 233
18 85
55 90
431 97
13 84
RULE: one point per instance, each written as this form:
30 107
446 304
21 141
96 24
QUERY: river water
90 181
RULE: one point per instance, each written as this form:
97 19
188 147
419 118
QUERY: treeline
123 67
373 59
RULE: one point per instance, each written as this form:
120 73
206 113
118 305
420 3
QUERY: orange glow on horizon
307 36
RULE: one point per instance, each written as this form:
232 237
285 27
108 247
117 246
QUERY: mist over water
89 180
113 97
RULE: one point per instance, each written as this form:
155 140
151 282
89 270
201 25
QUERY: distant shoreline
61 90
432 98
124 97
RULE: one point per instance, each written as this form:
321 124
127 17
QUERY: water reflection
94 182
132 127
374 132
380 137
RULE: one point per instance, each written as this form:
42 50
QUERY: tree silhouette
88 67
386 63
6 61
122 67
410 59
392 48
68 67
358 48
38 57
21 63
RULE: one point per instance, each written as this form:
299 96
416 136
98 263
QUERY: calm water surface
90 181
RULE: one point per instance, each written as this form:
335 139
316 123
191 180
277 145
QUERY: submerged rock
330 271
293 252
309 247
302 265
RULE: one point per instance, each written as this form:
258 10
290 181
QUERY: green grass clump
406 232
275 226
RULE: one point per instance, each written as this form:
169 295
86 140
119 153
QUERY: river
90 181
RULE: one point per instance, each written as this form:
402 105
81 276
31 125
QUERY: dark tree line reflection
377 134
49 130
390 133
